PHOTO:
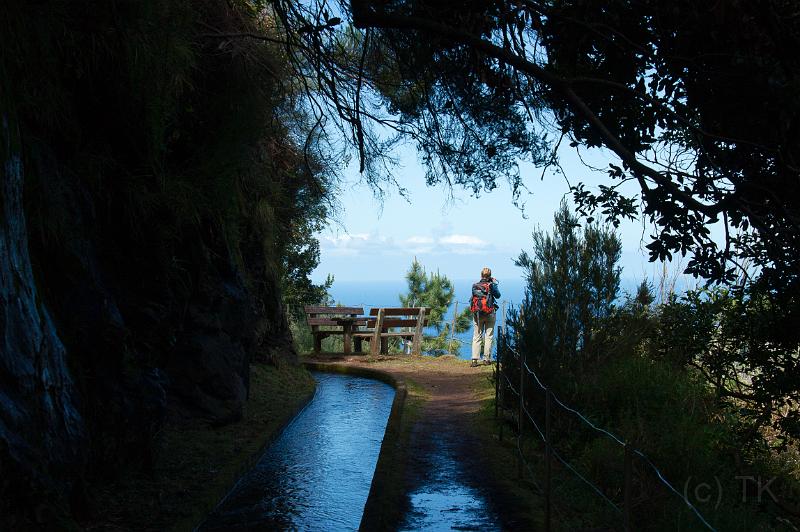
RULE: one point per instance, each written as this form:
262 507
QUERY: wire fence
508 356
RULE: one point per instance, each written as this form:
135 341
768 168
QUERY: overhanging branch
365 17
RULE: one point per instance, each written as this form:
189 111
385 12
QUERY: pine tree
572 282
435 292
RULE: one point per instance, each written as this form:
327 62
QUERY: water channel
317 474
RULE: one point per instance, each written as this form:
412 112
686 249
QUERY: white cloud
418 245
375 244
355 244
462 240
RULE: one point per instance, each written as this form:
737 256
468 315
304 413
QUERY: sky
458 234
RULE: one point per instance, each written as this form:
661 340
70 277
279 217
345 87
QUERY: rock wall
42 432
143 221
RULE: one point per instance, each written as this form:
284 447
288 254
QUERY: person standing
483 306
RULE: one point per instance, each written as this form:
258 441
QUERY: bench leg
375 344
317 343
416 342
347 340
384 345
374 347
357 344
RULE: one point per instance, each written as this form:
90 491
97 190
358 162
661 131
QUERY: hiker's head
486 273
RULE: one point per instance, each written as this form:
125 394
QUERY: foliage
636 78
729 337
572 282
664 409
659 377
435 292
697 101
482 85
299 260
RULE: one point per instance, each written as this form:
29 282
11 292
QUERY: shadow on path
444 492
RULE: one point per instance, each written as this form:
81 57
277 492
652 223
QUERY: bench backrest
317 315
397 317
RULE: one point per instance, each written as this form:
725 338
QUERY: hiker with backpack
483 306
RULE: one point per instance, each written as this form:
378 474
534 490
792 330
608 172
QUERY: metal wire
676 492
535 425
542 386
560 459
511 386
565 407
527 465
595 427
524 364
588 483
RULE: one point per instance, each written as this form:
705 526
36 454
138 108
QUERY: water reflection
317 475
446 497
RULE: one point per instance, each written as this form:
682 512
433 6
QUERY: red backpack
482 298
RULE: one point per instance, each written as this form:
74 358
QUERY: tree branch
364 17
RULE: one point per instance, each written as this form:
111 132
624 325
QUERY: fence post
548 461
453 329
497 372
627 488
519 416
501 390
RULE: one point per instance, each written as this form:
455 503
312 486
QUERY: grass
198 464
522 501
576 506
522 496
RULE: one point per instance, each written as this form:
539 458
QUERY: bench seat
328 321
375 328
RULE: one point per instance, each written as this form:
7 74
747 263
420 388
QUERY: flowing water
317 474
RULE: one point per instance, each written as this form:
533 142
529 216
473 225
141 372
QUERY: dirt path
446 481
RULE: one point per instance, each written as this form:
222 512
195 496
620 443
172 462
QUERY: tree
572 282
696 100
434 292
299 258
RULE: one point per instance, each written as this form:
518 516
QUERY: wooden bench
380 322
335 320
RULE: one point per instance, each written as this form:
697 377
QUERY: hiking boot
487 362
473 364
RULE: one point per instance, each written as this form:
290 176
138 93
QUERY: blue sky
455 233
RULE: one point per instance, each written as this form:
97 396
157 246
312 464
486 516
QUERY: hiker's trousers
483 328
